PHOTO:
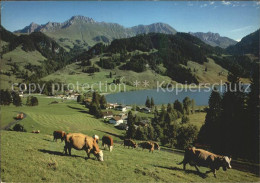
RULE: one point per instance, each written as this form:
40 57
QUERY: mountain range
214 39
84 32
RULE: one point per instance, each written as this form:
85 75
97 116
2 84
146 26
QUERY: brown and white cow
147 145
59 135
156 145
199 157
80 141
130 143
107 140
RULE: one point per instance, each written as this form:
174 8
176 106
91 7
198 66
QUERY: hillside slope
37 158
248 45
214 39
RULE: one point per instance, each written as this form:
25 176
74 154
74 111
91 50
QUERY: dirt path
12 123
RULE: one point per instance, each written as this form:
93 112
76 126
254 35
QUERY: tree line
164 126
232 121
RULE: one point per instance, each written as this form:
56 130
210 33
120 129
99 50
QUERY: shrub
19 128
185 119
187 134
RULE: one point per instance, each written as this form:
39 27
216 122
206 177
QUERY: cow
147 145
156 146
36 131
199 157
59 135
107 140
96 137
80 141
130 143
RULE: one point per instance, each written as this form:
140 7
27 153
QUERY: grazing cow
199 157
36 131
156 146
107 140
80 141
96 137
147 145
59 135
130 143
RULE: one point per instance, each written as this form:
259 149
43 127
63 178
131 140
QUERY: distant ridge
85 32
214 39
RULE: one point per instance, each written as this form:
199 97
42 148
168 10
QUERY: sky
233 19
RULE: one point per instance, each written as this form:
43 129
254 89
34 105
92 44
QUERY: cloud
226 3
257 3
242 29
204 5
211 2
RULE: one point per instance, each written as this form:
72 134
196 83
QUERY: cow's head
225 162
96 137
99 155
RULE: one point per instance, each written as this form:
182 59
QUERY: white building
116 120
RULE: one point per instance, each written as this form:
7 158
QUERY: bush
185 119
187 134
19 128
32 101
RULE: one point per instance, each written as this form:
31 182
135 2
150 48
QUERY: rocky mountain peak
82 18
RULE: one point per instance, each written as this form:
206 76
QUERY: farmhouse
116 120
111 105
146 110
122 126
107 114
121 108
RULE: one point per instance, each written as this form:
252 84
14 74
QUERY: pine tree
103 102
80 99
140 135
5 97
17 101
148 102
34 101
151 132
169 108
95 98
209 131
252 130
186 105
131 128
110 74
178 106
152 102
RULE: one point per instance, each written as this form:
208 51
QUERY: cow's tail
180 163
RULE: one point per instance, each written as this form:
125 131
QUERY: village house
122 126
111 105
145 110
116 120
121 108
107 114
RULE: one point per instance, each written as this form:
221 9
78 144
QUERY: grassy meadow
28 157
68 116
